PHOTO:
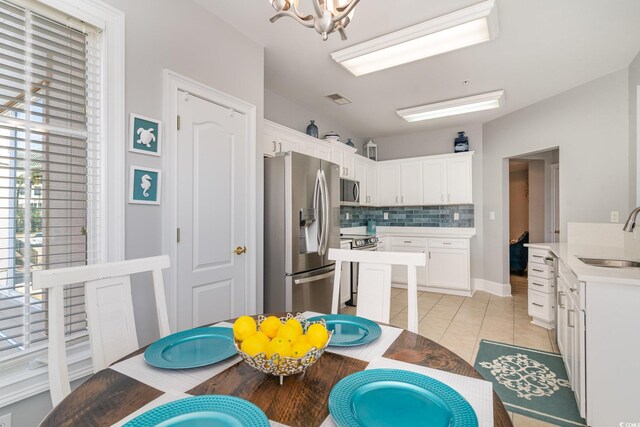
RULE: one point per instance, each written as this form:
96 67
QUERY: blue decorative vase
461 143
312 129
349 143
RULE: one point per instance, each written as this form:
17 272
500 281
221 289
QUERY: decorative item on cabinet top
371 150
312 129
461 143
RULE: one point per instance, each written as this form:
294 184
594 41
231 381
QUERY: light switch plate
386 215
5 420
456 216
492 216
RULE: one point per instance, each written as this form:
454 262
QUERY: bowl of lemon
280 346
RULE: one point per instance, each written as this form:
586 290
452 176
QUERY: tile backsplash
408 216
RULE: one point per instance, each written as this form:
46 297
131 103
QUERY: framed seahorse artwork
145 135
144 185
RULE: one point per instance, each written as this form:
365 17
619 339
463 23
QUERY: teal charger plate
210 410
350 330
394 397
191 349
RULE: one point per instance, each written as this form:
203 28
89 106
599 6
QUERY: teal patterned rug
529 382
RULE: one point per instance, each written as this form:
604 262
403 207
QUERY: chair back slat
110 315
374 282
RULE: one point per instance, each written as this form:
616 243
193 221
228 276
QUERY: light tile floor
459 323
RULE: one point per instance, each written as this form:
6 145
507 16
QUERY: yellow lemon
288 332
253 345
300 348
244 327
296 325
270 326
263 337
279 346
301 339
317 335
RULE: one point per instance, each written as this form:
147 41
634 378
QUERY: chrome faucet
631 221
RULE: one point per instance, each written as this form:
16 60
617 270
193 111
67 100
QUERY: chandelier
330 15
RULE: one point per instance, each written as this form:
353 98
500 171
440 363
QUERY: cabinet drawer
542 306
542 271
416 242
541 285
449 243
537 255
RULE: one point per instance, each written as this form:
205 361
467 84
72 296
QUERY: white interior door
211 177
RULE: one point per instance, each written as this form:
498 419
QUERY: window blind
49 168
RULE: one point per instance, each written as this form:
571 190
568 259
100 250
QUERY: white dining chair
109 308
374 282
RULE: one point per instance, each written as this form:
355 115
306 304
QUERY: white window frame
26 375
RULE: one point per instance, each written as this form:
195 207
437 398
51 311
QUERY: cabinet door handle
538 270
401 199
396 199
446 243
537 305
569 316
537 284
560 295
442 197
280 144
274 146
537 256
429 254
448 197
407 241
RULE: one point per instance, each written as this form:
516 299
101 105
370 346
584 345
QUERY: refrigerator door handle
325 213
317 205
313 278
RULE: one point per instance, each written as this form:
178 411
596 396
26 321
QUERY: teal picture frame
145 135
145 185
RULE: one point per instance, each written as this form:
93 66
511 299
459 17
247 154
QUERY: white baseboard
495 288
462 293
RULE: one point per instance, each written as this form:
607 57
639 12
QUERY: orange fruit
270 326
253 345
317 335
244 327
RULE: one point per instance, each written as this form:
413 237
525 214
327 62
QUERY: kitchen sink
610 263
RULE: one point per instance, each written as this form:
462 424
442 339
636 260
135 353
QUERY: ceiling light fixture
453 107
330 15
462 28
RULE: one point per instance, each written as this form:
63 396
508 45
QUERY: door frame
555 170
172 82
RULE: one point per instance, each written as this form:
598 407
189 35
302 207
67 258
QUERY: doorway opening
533 211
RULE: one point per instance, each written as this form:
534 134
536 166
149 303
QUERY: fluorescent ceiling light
462 28
485 101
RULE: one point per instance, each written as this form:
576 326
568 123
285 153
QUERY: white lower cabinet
542 289
448 263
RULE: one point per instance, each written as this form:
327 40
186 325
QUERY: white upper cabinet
318 149
389 184
459 189
280 139
411 183
447 180
345 157
360 175
372 184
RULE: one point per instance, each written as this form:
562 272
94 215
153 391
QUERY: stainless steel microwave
349 192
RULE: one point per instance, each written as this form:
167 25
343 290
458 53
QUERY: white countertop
459 232
568 253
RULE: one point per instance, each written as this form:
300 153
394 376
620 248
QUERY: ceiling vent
338 99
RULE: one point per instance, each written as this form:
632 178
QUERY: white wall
289 114
634 133
441 142
590 125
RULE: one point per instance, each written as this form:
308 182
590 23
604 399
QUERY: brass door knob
240 250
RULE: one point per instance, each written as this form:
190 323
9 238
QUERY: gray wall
441 142
590 125
186 38
634 151
289 114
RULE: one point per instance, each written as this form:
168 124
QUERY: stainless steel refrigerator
302 221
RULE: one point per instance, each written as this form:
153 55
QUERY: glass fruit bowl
284 366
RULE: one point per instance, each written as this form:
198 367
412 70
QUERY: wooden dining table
108 396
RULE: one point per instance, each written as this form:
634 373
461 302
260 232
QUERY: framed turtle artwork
144 185
145 134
